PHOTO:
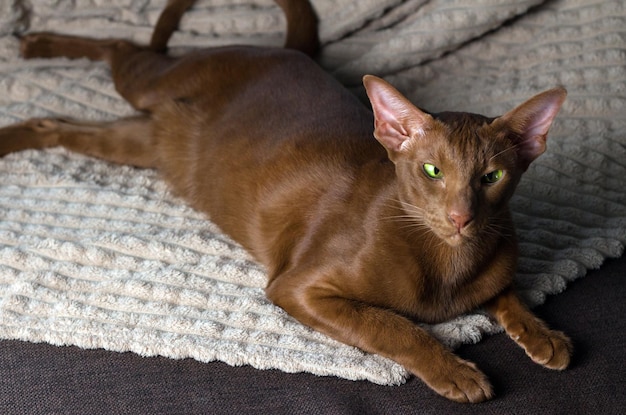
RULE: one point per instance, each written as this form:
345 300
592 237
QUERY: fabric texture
103 256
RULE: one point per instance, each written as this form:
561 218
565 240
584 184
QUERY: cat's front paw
462 382
552 349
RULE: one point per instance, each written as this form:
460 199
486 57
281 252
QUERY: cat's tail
302 33
168 23
301 19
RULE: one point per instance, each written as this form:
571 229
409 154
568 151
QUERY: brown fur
357 240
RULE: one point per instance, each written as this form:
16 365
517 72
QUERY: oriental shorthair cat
367 222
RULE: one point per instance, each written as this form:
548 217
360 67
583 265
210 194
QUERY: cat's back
265 98
282 131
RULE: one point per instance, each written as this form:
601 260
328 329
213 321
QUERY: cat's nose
460 219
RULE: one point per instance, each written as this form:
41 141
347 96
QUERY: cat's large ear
529 123
396 119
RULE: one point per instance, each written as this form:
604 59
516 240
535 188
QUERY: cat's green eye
493 177
432 171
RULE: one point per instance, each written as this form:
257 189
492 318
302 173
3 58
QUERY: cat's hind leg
51 45
125 141
135 69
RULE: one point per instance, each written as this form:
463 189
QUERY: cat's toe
562 351
464 383
553 350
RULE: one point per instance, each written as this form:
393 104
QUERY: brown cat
361 237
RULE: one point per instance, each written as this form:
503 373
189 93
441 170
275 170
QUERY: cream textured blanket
102 256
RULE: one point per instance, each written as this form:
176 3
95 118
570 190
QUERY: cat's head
457 171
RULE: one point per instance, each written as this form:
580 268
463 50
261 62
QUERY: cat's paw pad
552 350
462 382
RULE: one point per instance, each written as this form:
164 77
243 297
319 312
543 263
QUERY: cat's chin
456 239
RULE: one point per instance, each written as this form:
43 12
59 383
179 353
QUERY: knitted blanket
103 256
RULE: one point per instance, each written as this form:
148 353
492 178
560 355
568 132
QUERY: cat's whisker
406 217
414 225
412 216
415 216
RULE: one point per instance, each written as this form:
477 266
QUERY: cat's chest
431 286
